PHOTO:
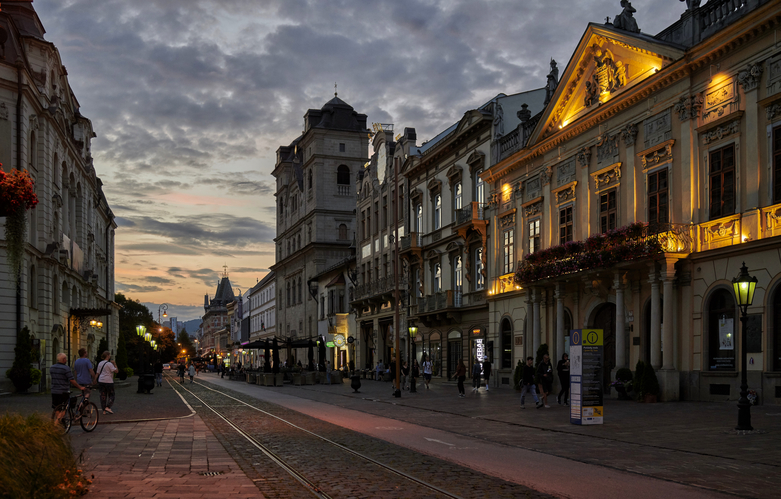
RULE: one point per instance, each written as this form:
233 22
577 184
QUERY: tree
132 314
19 373
166 344
187 344
121 352
102 347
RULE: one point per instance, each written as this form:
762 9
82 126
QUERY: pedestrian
379 370
476 370
527 382
106 370
328 371
415 375
159 372
85 375
545 372
563 369
461 376
62 379
404 376
192 372
486 372
427 370
392 374
180 370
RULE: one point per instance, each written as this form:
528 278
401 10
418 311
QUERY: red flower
16 190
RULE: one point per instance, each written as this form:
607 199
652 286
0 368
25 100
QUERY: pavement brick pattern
340 474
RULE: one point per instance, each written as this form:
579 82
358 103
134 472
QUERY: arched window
437 211
342 232
33 151
64 295
299 290
74 297
721 331
478 266
343 175
507 343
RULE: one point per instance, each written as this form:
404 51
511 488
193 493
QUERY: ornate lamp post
162 308
744 286
413 331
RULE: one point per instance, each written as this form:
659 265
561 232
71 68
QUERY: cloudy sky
191 98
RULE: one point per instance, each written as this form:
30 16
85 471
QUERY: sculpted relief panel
720 101
565 172
658 128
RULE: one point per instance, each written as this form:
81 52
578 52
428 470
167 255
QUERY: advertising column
586 363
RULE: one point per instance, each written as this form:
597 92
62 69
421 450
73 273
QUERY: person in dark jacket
476 371
545 372
563 369
159 373
527 383
487 372
461 376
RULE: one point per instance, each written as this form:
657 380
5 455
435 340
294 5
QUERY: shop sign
477 330
480 349
586 363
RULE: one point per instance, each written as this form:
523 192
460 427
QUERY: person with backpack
527 383
427 370
476 371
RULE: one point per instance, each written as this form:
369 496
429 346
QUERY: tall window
608 214
507 347
534 235
310 179
657 197
509 251
479 277
342 232
722 182
721 331
565 224
458 274
294 292
300 288
376 217
437 211
437 278
288 294
419 222
417 283
343 175
341 147
457 197
479 187
777 165
385 211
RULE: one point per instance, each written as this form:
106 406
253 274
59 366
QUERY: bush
638 381
19 373
129 372
37 459
650 383
517 375
35 376
624 374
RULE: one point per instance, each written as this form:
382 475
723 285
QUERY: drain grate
211 473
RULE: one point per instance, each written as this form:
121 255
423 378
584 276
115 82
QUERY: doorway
605 319
454 353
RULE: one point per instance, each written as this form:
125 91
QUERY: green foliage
37 459
121 356
187 344
650 383
637 384
23 356
624 374
102 347
35 376
518 375
130 372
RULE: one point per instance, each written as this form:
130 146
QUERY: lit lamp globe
141 330
93 323
413 331
744 286
148 337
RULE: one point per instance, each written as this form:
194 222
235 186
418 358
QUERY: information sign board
586 352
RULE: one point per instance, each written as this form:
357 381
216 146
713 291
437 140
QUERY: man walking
486 372
85 374
427 370
545 371
527 382
476 369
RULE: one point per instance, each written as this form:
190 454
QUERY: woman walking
461 376
191 372
106 370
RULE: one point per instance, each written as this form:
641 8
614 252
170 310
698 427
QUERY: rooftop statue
691 4
625 20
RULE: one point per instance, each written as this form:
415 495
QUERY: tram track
312 485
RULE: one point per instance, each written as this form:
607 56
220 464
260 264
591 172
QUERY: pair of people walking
544 373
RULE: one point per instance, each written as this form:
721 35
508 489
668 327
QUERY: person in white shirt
427 370
105 372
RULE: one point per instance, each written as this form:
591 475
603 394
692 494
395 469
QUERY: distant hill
192 326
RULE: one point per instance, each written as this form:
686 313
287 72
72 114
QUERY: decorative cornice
749 77
721 132
658 154
688 107
607 176
532 209
566 194
629 134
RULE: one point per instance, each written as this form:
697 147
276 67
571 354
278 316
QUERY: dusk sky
191 98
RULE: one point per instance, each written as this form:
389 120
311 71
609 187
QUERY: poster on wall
726 329
586 364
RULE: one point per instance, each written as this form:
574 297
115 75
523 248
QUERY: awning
336 280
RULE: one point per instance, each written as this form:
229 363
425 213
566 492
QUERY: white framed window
438 212
458 274
457 197
534 235
508 240
478 266
419 221
479 187
437 278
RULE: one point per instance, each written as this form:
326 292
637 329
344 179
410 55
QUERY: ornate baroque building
68 270
216 325
680 132
315 211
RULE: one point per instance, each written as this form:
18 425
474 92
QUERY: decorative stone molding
532 188
688 107
774 75
629 134
566 194
507 221
532 209
57 201
660 155
584 157
546 175
607 177
454 174
749 77
658 128
721 132
607 148
476 160
720 101
565 172
3 111
773 110
33 122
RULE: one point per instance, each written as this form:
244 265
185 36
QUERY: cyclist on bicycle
85 375
62 379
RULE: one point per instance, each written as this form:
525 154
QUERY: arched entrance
605 319
454 352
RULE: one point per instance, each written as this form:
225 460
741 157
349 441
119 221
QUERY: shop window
565 224
657 197
722 182
608 214
721 331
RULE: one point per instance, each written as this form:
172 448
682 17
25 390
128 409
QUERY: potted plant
650 384
623 383
35 380
637 384
17 195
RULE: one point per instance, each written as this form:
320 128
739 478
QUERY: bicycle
85 411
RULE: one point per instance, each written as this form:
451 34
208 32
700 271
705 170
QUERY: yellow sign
592 337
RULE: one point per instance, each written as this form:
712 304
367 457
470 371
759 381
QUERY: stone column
668 273
620 322
656 335
536 322
559 321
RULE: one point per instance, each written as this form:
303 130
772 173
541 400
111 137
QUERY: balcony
473 216
380 288
446 307
342 190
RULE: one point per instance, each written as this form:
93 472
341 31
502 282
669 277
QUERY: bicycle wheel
89 416
65 420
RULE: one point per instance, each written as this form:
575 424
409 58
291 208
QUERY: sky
190 100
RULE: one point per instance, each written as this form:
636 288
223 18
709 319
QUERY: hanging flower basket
17 195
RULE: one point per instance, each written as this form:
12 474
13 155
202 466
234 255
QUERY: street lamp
162 308
744 286
413 331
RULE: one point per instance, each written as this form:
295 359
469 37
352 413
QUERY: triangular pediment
607 63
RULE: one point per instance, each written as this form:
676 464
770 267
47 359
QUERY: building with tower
216 326
315 193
